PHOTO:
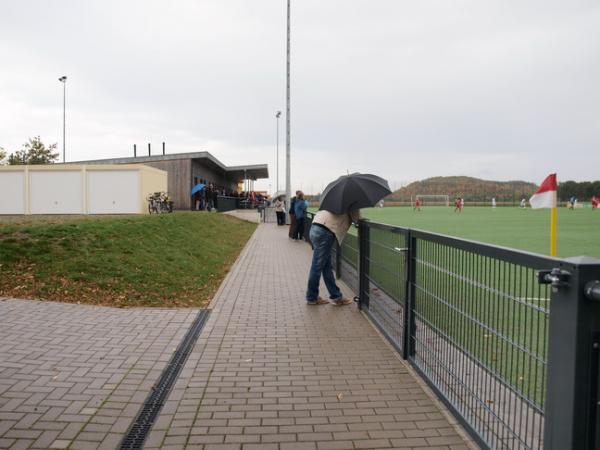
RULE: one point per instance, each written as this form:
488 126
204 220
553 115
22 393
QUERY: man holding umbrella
340 204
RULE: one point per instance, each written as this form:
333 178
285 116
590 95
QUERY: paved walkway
268 371
74 376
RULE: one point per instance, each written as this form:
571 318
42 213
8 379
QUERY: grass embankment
170 260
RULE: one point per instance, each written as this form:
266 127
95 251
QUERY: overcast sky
404 89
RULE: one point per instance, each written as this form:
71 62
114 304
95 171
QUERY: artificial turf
524 229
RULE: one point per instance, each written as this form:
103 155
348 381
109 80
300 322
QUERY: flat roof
251 171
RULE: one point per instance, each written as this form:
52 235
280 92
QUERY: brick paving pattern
270 372
267 372
74 376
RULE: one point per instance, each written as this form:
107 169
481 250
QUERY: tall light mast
288 183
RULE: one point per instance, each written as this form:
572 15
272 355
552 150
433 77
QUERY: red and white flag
545 196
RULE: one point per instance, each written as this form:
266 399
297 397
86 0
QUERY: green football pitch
525 229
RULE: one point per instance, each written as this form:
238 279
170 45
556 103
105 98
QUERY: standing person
198 200
215 196
493 202
595 202
418 203
457 204
326 228
209 197
523 203
280 211
300 207
292 213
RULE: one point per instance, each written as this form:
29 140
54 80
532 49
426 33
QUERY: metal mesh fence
348 261
481 334
472 318
386 280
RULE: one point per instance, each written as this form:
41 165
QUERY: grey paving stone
61 363
268 371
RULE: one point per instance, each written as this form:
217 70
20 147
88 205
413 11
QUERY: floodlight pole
288 183
277 116
63 80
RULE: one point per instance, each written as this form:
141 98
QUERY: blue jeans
322 242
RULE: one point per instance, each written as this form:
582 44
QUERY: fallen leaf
340 396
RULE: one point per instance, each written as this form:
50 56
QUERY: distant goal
432 200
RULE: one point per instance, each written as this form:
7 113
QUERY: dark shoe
341 301
318 301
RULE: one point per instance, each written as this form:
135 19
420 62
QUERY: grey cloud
501 89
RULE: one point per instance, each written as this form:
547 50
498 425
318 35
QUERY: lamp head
62 79
278 114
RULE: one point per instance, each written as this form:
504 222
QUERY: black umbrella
354 191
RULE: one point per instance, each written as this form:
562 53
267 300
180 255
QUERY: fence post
572 401
363 264
409 328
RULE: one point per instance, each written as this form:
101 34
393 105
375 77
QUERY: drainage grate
139 429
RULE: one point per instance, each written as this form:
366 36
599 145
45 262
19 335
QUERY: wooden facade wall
180 180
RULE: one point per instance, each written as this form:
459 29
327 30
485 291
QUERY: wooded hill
471 189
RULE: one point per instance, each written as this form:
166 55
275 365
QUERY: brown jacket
338 224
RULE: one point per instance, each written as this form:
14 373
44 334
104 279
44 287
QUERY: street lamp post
277 116
288 182
63 80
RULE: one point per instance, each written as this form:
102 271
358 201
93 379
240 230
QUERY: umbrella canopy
197 188
354 191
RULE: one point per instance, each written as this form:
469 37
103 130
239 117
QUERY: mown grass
170 260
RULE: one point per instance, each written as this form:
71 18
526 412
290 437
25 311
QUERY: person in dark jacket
215 198
292 213
300 207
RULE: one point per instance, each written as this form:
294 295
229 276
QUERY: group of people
572 204
251 199
206 199
297 212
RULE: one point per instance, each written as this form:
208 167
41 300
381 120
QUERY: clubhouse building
185 170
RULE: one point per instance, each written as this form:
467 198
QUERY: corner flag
545 197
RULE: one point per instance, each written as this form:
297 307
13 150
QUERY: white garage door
55 192
12 193
114 192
